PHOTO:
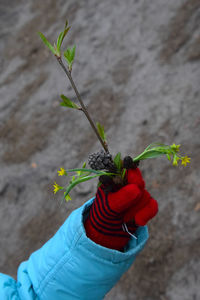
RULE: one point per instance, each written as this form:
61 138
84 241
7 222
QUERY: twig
84 109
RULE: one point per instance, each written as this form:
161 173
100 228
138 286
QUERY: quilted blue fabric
71 266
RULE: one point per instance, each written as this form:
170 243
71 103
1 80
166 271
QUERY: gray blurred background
137 69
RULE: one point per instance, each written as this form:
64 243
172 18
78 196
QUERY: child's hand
113 216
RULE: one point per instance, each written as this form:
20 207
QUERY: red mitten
113 217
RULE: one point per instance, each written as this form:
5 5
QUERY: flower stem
84 109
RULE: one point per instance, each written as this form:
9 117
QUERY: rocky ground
138 68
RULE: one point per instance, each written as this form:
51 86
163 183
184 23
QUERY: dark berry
106 180
128 163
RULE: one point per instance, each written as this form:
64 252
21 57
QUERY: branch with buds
69 55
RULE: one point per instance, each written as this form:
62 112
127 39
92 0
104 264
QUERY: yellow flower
56 187
185 160
175 147
62 172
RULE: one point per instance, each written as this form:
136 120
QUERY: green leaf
117 161
66 31
69 55
62 35
61 38
101 131
73 50
68 103
123 173
157 146
150 154
46 42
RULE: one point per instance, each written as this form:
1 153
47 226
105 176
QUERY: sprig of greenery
157 149
81 175
55 49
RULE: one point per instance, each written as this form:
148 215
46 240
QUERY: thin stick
84 109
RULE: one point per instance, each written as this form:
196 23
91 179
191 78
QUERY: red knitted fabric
131 205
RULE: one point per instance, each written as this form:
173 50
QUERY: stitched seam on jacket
64 259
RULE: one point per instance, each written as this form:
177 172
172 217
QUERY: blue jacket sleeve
71 266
